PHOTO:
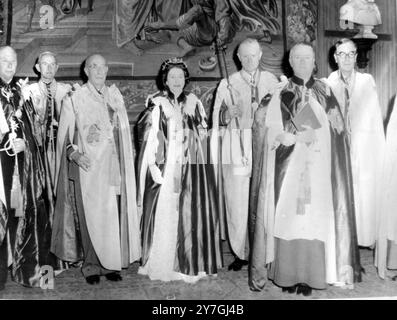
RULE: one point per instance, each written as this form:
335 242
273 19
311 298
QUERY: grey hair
91 56
249 41
343 41
47 53
301 44
7 48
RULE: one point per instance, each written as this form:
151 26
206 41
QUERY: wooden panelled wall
382 57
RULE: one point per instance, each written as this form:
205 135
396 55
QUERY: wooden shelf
352 33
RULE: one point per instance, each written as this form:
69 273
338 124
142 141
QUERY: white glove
287 139
19 145
283 79
156 174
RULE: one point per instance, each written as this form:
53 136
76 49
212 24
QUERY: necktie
346 105
254 93
50 129
305 99
254 97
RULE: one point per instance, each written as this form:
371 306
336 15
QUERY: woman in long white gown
180 225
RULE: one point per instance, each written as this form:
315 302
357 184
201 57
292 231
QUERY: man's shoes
92 279
291 289
237 264
304 289
113 276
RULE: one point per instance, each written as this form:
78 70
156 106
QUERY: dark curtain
5 22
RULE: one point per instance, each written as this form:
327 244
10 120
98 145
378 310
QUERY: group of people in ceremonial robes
25 217
290 173
73 145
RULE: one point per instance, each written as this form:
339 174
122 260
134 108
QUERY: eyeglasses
350 54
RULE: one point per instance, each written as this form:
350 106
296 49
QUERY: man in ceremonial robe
96 208
386 233
308 236
46 96
236 101
25 228
357 96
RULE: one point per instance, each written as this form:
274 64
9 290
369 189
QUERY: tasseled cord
16 189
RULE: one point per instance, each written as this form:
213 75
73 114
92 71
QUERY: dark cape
256 231
43 149
347 252
198 239
30 233
66 242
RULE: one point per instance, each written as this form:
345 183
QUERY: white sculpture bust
365 13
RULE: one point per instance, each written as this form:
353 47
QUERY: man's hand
287 139
234 112
283 82
19 145
81 160
308 136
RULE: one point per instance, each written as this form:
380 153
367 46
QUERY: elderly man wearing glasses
358 98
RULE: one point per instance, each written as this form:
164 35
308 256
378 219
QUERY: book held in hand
306 117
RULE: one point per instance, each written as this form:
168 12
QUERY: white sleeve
152 146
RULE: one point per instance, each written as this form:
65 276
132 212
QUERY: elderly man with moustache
96 180
236 101
25 228
310 205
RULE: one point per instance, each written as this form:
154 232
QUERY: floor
227 285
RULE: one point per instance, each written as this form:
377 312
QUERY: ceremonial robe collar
100 95
247 77
43 86
348 82
170 96
10 85
298 81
